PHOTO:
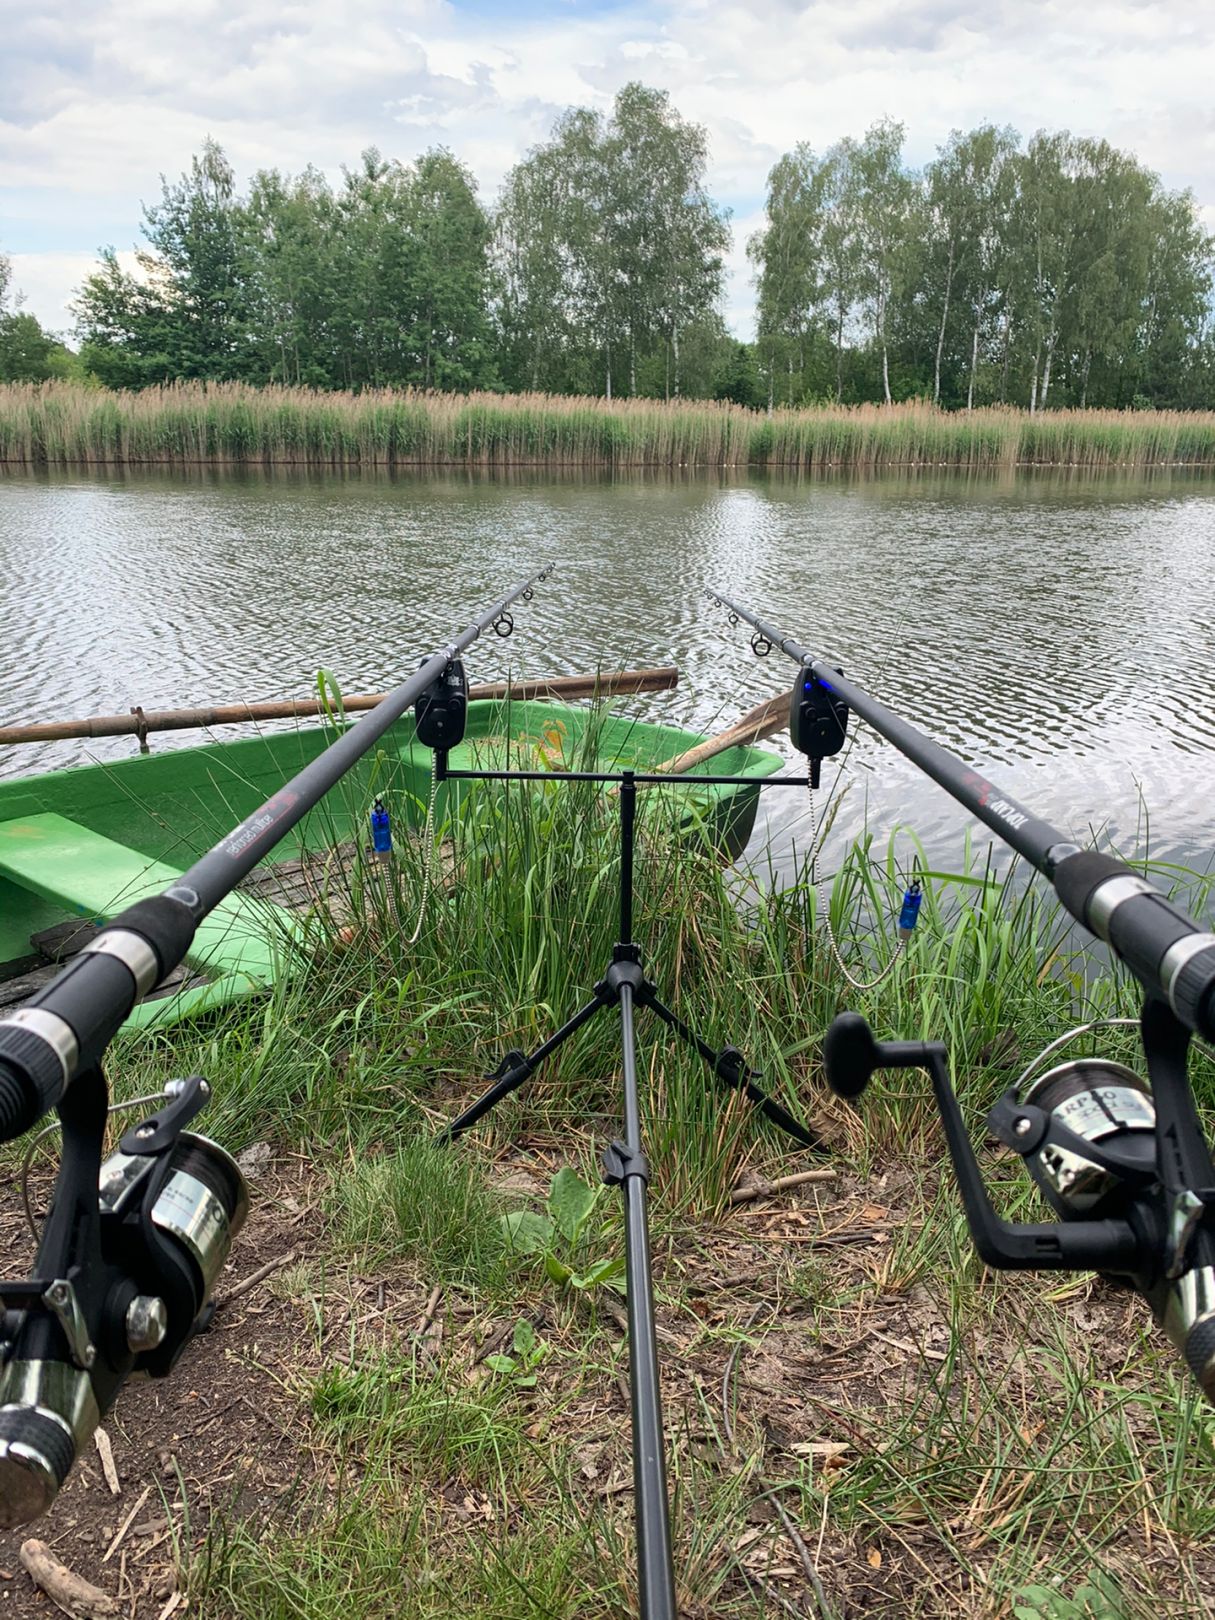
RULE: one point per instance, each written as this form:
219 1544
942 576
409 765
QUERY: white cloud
98 98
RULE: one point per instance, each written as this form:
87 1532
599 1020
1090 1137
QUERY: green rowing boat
78 845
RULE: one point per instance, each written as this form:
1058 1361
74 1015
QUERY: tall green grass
1015 1457
64 424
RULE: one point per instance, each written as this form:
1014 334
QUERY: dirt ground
229 1431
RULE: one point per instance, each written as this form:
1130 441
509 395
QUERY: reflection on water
1056 630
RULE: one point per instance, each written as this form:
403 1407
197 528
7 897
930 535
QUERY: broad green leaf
601 1271
527 1231
571 1201
561 1274
525 1338
605 1270
501 1364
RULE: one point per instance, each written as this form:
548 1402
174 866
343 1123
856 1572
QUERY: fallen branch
69 1592
765 1189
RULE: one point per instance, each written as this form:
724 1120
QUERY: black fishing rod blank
67 1026
131 1248
1125 1164
1171 955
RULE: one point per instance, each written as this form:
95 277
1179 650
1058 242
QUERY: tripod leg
517 1073
729 1067
625 1164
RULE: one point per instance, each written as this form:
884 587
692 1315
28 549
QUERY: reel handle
851 1053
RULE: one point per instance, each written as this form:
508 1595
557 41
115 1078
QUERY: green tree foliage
28 353
1061 274
383 281
608 251
793 273
1058 272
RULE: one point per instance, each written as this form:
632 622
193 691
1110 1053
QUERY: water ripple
1061 634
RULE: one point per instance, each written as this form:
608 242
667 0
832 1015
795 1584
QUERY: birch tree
880 198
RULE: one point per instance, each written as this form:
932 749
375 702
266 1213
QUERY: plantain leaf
570 1201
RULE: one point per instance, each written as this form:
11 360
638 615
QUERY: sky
98 99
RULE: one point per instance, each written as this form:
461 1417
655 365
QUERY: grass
66 424
421 1202
859 1417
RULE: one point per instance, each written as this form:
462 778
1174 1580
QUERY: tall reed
181 424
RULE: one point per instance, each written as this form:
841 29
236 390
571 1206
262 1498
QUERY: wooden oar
137 723
764 720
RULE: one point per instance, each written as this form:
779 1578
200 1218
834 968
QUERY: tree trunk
1050 355
936 379
1007 353
839 354
675 354
974 366
1088 360
880 334
1033 390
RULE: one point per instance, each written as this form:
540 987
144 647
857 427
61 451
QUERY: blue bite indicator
381 829
911 910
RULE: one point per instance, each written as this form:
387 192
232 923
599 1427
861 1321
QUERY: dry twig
254 1277
106 1452
69 1592
765 1189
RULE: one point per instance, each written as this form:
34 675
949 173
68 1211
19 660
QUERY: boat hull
125 824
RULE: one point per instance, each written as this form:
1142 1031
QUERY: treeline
1058 274
1062 274
600 271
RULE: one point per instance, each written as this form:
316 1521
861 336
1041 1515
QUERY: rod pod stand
625 1165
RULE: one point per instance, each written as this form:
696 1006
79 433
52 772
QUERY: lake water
1057 631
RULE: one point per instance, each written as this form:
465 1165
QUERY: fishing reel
126 1263
1122 1162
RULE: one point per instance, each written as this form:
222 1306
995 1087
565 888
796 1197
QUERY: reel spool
168 1215
1105 1107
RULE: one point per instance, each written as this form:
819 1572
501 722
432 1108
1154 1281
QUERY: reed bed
182 424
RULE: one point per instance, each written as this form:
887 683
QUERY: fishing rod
1123 1162
131 1248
